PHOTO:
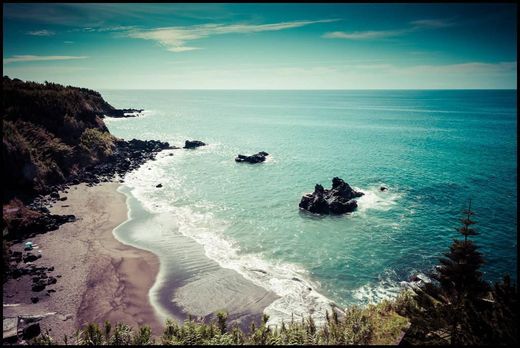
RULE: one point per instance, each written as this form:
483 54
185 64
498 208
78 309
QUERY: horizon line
306 89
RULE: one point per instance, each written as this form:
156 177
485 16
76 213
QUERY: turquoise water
432 149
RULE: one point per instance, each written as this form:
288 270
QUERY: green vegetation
375 324
97 144
459 308
50 131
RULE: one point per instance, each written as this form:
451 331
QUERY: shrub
97 143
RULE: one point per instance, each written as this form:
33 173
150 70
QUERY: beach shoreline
102 274
99 277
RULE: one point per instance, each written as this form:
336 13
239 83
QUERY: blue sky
263 46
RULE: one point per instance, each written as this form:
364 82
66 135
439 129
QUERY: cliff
50 133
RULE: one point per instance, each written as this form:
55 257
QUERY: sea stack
192 144
256 158
338 200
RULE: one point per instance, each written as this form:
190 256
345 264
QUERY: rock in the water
191 144
158 186
382 188
256 158
338 200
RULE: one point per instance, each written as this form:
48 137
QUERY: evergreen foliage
459 307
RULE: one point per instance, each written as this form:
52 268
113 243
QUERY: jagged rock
158 186
191 144
338 200
120 113
382 188
256 158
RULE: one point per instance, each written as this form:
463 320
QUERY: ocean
432 149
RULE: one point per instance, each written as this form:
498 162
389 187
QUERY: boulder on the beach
31 331
37 287
191 144
158 186
30 257
338 200
256 158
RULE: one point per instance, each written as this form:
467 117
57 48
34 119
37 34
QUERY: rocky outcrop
54 134
123 113
338 200
256 158
191 144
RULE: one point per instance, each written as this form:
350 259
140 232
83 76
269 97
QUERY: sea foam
299 296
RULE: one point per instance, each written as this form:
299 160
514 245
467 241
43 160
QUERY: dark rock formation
338 200
256 158
383 188
38 286
158 186
30 257
121 113
31 331
191 144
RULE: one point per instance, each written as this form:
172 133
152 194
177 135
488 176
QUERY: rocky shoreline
124 113
128 156
35 217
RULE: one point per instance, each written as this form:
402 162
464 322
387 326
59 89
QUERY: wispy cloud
175 38
432 23
416 25
43 32
31 58
363 35
104 28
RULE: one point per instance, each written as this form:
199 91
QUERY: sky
263 46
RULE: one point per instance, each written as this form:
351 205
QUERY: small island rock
256 158
338 200
191 144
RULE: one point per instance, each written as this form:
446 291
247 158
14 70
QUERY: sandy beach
103 278
99 278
